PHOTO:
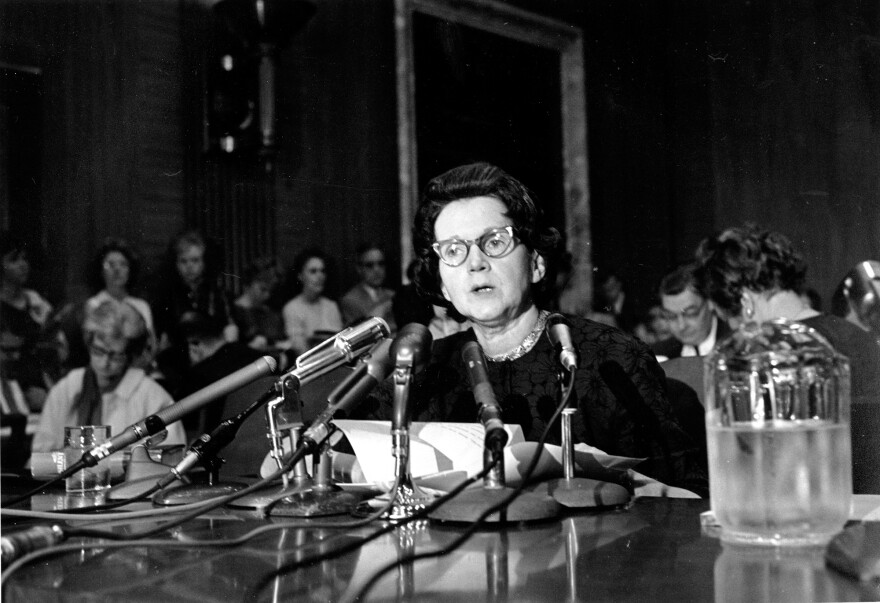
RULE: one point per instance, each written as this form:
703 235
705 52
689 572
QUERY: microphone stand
571 491
298 495
408 498
206 449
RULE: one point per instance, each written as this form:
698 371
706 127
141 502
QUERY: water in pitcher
789 482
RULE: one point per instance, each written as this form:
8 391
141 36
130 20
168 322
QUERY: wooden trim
529 28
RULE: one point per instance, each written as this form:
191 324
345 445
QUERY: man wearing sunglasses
369 297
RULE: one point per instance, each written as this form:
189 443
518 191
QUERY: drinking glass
77 441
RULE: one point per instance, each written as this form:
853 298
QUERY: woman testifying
484 252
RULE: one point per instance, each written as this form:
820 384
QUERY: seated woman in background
112 275
260 325
486 254
192 285
109 391
310 313
754 275
30 313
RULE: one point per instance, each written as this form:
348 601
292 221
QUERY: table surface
653 549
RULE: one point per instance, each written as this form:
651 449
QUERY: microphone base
582 492
470 504
193 493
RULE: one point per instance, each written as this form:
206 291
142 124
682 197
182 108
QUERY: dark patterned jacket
637 422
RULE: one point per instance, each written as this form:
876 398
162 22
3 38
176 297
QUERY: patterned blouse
634 420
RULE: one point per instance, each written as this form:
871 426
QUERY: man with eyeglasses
369 297
694 325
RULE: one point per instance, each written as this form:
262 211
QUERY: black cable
113 505
478 523
420 514
60 477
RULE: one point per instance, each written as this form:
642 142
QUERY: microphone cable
479 522
388 527
60 477
220 542
422 513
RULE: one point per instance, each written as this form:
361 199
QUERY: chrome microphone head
345 346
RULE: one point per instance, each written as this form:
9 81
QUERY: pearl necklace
527 344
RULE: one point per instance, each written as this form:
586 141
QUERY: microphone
559 332
411 350
490 412
157 422
209 444
29 540
343 347
373 368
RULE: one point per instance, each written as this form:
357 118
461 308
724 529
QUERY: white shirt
706 346
136 397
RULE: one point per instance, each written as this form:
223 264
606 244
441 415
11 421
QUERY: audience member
655 327
754 275
211 358
109 391
612 300
369 297
260 325
27 314
14 404
20 393
193 284
691 318
309 316
113 272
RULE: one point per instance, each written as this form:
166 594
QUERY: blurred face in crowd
16 268
260 291
689 316
313 277
487 290
611 288
10 352
371 267
109 359
191 264
115 270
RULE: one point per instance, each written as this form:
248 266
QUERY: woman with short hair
109 390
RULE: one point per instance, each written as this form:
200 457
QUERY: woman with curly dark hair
485 253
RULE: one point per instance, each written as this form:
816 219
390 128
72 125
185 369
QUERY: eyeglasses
101 353
494 243
688 313
375 264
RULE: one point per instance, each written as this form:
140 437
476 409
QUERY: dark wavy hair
679 279
482 180
747 258
96 268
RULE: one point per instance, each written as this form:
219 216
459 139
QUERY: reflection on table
654 549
